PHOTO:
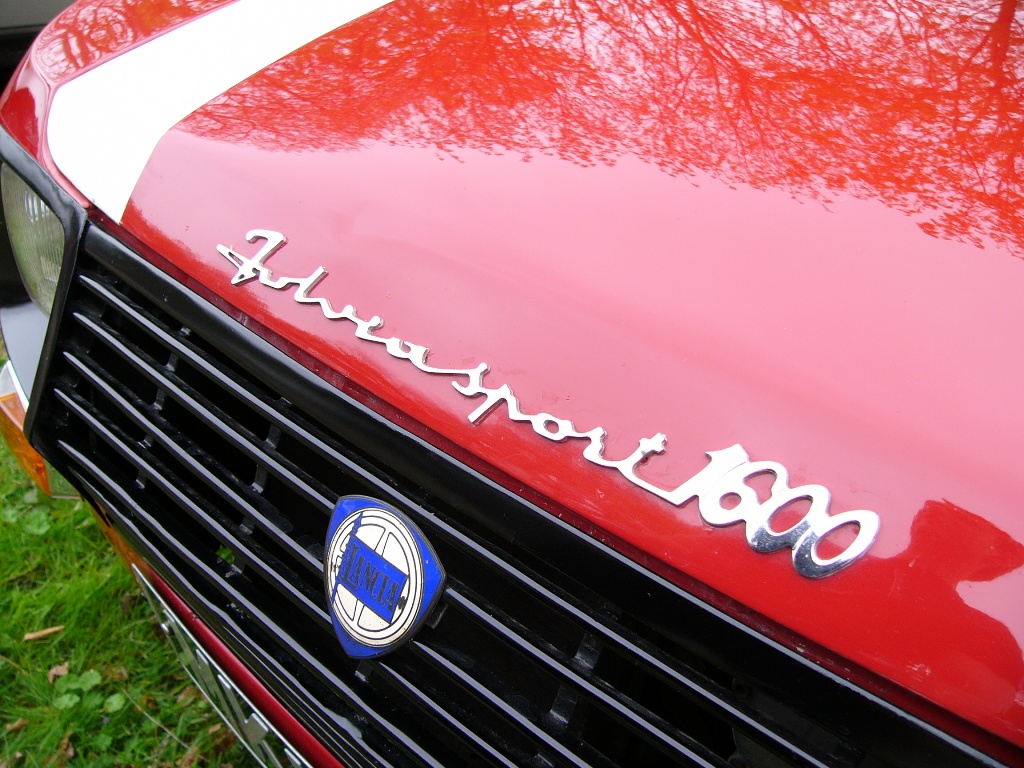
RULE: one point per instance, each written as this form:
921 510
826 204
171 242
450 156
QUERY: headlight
37 237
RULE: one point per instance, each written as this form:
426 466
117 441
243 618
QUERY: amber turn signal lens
12 419
12 425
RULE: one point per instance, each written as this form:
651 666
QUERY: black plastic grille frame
220 460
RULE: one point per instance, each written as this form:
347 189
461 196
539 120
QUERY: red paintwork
82 36
793 226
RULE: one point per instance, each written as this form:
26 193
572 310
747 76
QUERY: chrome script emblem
725 476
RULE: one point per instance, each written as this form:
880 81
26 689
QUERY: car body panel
776 229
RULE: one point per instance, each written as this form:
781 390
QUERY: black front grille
221 459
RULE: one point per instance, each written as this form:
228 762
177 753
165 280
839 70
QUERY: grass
105 688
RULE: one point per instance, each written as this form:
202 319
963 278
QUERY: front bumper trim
250 726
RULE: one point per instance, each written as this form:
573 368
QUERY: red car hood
790 228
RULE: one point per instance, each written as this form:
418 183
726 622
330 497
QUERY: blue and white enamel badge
382 576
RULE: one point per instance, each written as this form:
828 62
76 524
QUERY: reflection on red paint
87 33
755 225
812 97
966 649
792 225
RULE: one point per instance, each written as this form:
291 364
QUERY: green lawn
105 688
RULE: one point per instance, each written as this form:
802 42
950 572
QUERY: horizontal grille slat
238 441
693 686
619 708
495 702
215 375
366 710
259 561
226 477
133 409
222 579
424 701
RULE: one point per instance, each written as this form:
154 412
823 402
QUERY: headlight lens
37 237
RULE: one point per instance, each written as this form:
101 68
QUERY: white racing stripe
104 125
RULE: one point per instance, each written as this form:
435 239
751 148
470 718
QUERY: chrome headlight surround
31 364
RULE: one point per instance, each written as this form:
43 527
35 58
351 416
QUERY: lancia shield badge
381 575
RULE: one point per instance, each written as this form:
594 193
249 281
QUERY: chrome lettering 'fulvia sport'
723 479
